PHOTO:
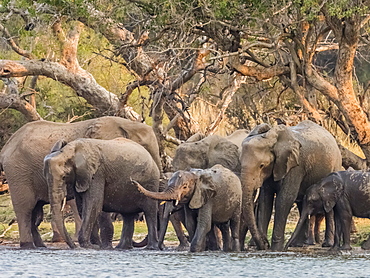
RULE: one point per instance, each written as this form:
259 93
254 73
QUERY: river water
144 263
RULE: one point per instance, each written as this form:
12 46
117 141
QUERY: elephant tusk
309 216
176 203
64 203
162 203
257 195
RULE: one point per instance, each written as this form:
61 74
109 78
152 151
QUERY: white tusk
309 216
64 203
176 203
257 195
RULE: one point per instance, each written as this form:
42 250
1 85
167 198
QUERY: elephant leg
106 230
242 233
346 218
190 222
264 208
338 231
283 203
37 217
91 208
329 229
151 213
226 238
213 239
366 244
204 225
127 232
176 223
23 204
235 229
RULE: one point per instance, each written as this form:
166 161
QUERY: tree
178 48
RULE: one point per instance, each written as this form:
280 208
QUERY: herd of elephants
220 187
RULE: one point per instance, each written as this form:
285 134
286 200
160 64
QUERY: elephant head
185 187
266 152
66 167
320 198
205 153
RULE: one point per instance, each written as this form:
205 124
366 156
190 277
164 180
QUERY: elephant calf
210 197
347 193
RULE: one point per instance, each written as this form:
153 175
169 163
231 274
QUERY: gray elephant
100 173
283 161
345 192
211 150
210 197
22 160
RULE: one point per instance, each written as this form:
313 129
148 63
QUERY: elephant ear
287 151
331 190
86 162
58 145
260 129
225 153
203 191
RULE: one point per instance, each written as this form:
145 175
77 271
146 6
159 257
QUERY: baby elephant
210 197
348 194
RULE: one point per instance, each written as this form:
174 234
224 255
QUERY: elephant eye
262 165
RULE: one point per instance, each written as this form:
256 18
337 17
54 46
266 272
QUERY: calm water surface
142 263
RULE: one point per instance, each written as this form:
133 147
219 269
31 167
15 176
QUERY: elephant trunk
249 217
298 229
168 208
56 208
166 195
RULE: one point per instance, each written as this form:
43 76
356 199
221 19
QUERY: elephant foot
151 247
89 246
309 241
123 247
327 244
107 247
346 247
57 238
365 245
27 245
183 247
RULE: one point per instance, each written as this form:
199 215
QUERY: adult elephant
283 161
210 197
345 192
22 160
205 153
100 172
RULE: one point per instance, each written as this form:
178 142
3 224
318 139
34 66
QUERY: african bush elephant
345 192
210 197
100 172
284 161
211 150
22 160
